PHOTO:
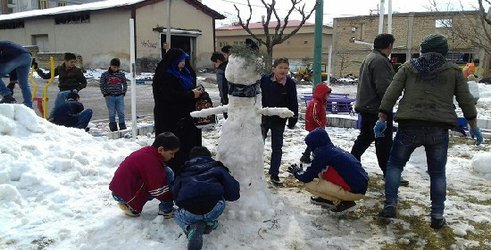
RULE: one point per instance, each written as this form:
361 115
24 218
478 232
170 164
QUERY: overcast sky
336 8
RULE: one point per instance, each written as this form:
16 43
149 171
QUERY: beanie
115 62
434 43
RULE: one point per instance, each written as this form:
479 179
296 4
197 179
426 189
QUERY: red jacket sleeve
155 180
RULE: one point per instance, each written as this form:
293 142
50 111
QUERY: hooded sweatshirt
333 164
315 115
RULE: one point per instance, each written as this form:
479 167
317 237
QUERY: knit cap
434 43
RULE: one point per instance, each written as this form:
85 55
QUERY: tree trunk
269 59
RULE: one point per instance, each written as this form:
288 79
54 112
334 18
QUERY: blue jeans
84 118
435 141
277 128
22 65
115 104
185 218
60 100
164 205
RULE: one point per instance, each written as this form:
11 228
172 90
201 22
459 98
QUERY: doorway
41 41
186 43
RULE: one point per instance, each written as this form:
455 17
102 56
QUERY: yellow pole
45 90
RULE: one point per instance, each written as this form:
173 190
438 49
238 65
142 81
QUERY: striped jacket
113 83
141 176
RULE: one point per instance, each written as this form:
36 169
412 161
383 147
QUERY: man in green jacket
425 114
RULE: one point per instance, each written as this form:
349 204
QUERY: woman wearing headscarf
174 93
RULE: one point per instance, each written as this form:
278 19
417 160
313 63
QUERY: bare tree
477 30
278 36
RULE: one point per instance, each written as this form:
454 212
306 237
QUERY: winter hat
115 62
434 43
72 96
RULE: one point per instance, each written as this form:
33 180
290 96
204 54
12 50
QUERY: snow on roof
70 9
259 25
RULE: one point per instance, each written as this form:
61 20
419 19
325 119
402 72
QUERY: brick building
408 29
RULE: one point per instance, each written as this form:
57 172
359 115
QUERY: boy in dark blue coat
72 113
200 192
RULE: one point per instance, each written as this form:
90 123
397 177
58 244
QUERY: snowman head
244 66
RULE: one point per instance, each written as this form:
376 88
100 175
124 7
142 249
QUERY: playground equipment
42 103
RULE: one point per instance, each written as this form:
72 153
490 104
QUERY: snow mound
480 164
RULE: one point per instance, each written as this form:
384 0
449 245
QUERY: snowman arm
281 112
210 111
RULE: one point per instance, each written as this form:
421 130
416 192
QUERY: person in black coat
175 93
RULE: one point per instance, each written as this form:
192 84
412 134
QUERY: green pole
318 41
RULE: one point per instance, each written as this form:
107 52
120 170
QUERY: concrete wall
299 46
185 17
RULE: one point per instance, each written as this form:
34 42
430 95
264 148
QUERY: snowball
480 164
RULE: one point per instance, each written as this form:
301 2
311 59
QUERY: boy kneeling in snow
143 176
335 176
200 192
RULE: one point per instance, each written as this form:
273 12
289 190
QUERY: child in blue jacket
200 192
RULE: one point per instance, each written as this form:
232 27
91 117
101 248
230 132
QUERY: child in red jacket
143 176
315 115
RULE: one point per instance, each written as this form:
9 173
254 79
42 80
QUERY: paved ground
92 98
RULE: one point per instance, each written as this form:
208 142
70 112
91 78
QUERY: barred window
73 18
11 25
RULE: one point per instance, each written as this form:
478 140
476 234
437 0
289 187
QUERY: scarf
183 75
428 62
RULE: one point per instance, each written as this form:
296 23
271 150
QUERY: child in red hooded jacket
315 115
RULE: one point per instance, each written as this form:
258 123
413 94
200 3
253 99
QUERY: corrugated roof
101 5
259 25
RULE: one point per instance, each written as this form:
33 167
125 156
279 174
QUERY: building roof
427 13
259 25
101 5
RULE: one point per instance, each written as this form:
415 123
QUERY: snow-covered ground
54 195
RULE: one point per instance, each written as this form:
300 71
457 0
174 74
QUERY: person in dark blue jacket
200 192
15 59
278 90
72 113
335 176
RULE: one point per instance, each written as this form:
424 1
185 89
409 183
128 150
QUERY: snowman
241 146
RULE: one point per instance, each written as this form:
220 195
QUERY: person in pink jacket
143 176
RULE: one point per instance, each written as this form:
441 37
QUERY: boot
113 126
122 126
8 99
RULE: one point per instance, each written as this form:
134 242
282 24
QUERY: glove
34 64
291 122
379 128
294 168
476 132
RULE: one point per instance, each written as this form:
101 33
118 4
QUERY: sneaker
305 159
404 183
321 201
210 226
343 206
167 214
388 212
8 99
437 223
275 179
195 236
127 210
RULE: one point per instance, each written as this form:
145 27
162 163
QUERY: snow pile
480 164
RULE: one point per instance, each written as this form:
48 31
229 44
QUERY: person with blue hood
175 94
425 113
200 193
335 175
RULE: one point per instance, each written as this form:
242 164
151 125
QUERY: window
73 18
11 25
61 3
43 4
443 23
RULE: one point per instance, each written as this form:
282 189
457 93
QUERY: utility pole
381 17
168 32
389 17
318 42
